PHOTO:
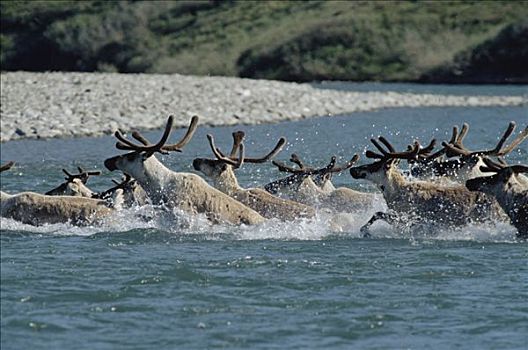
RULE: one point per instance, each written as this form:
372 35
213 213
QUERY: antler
458 149
127 179
287 169
82 175
160 146
494 167
460 138
425 151
227 160
238 137
295 159
424 154
278 147
347 165
7 166
177 147
305 170
454 136
392 154
516 142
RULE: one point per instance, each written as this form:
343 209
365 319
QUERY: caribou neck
512 195
391 184
154 178
227 182
327 186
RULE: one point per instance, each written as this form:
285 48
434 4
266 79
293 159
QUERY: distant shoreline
58 104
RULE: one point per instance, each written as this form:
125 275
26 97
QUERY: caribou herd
448 187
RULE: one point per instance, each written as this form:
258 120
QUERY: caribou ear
507 173
388 164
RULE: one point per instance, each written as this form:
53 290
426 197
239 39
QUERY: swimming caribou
421 201
38 209
221 171
75 184
510 187
133 194
185 191
467 163
313 186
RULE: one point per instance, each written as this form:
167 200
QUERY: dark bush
500 59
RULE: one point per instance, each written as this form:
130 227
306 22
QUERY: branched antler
458 149
125 182
238 137
236 164
160 146
82 175
495 167
391 153
306 170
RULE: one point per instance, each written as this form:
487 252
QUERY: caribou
133 194
509 187
176 190
468 163
38 209
75 184
313 186
221 171
421 201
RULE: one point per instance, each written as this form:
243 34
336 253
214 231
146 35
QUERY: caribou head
505 177
75 184
468 163
133 193
140 160
509 187
385 166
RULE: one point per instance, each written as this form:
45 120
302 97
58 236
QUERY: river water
178 282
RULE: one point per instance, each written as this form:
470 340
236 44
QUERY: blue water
181 283
442 89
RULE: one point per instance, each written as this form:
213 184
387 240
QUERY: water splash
324 225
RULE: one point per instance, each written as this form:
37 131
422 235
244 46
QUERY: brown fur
194 196
511 192
264 203
449 205
37 209
341 199
184 191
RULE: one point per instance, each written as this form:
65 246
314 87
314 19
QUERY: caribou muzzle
110 163
358 172
474 184
199 162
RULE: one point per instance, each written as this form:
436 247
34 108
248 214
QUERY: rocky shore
45 105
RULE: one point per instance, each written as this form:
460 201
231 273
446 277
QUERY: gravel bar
46 105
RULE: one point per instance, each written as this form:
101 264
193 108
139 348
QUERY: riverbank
46 105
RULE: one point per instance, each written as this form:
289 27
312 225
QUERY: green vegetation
297 40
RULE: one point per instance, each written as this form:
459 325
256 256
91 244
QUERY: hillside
299 41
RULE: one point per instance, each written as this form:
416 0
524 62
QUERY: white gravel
44 105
